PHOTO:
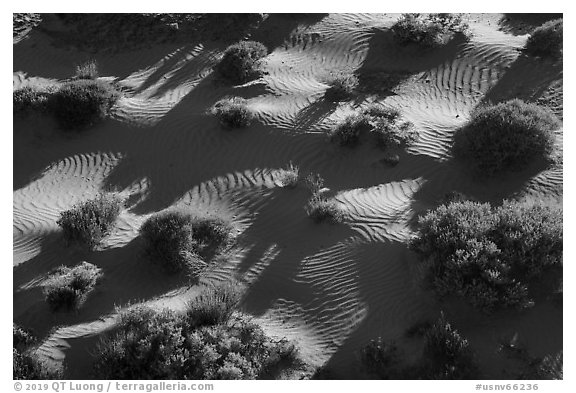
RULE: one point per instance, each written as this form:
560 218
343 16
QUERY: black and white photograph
350 196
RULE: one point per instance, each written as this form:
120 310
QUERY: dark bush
321 209
381 359
81 103
181 241
486 254
213 305
161 345
314 183
428 31
342 86
25 363
347 133
29 99
382 122
69 287
240 62
233 112
546 40
447 354
89 222
506 136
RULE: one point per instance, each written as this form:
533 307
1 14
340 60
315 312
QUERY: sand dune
329 287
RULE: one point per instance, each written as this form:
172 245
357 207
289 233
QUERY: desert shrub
546 40
25 364
506 136
382 122
29 99
390 133
486 254
81 103
314 183
377 111
213 305
381 359
347 133
89 222
552 367
447 354
430 30
87 70
68 287
290 176
321 209
233 112
181 241
342 86
240 62
161 345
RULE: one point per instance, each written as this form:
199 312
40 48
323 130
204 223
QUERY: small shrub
383 122
381 359
21 338
428 31
377 111
546 40
347 133
240 62
392 134
447 353
487 254
290 176
89 222
552 367
88 70
161 345
342 86
25 364
213 306
233 112
314 182
29 99
506 136
181 241
321 209
69 287
81 103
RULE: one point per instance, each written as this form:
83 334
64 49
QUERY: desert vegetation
319 207
87 223
290 176
506 136
233 112
206 342
430 30
383 123
68 287
445 355
87 70
546 40
341 87
25 363
30 99
75 104
486 254
181 241
241 61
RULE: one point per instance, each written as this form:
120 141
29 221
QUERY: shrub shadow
520 24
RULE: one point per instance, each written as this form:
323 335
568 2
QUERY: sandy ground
331 288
